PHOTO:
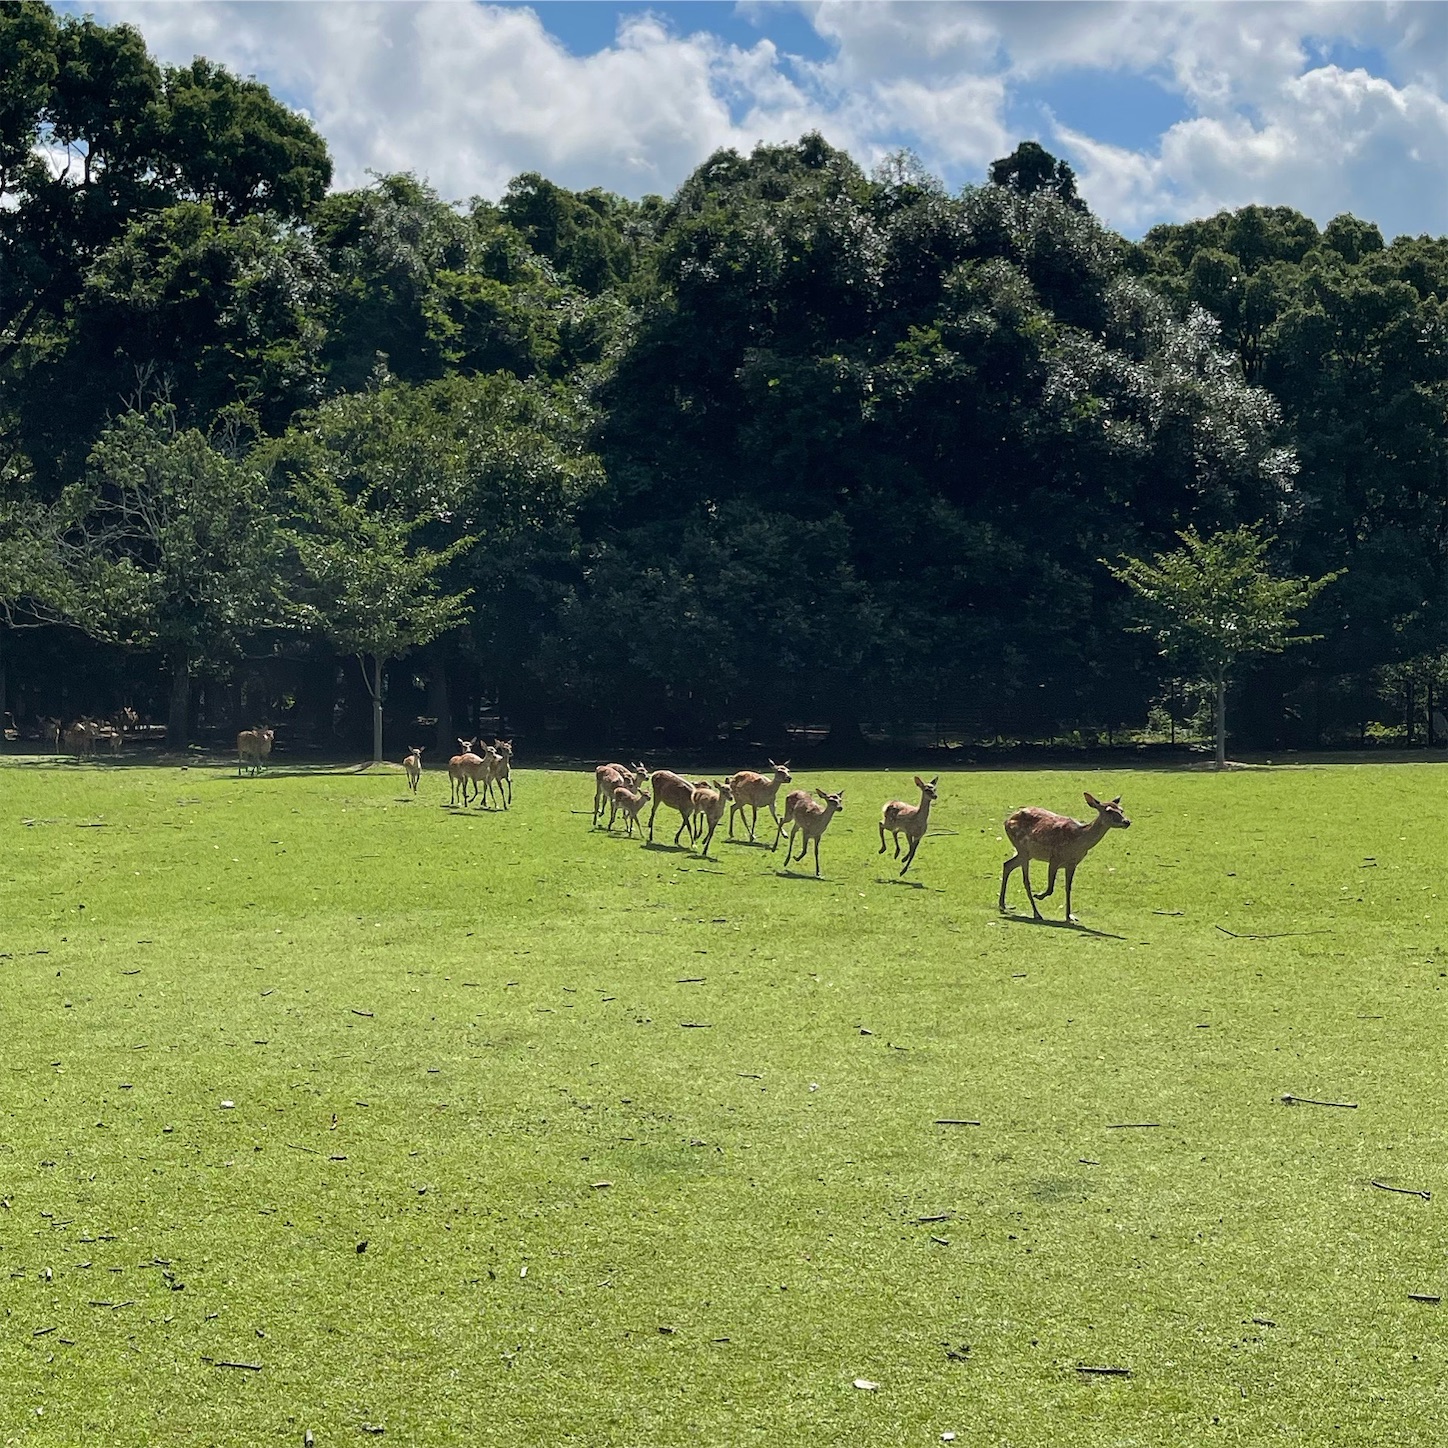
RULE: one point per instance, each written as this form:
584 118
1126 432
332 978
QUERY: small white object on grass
228 1105
867 1385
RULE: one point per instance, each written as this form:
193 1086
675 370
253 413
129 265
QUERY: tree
1212 602
371 591
1031 168
170 544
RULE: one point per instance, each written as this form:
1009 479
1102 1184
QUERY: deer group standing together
473 773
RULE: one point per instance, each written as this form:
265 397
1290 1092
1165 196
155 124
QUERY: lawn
324 1109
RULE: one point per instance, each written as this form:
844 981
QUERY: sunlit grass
644 1149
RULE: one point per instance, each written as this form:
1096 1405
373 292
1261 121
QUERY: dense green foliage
278 1031
795 445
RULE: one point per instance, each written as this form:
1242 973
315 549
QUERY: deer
49 733
627 801
253 746
412 763
460 770
810 819
675 791
756 792
910 820
1060 841
500 772
709 801
607 778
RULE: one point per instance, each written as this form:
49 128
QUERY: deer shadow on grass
909 884
787 874
1075 926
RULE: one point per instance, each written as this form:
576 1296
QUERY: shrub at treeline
796 444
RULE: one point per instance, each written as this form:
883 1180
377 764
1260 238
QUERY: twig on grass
1278 935
224 1363
939 1217
356 1012
1290 1100
1131 1125
1412 1297
1106 1372
1405 1191
954 1121
295 1147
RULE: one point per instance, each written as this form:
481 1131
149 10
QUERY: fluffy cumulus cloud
1324 106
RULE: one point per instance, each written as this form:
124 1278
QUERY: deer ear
919 783
1092 800
936 780
1117 800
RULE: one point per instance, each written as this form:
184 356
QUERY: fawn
607 778
412 763
1060 841
756 791
709 802
627 801
809 820
911 820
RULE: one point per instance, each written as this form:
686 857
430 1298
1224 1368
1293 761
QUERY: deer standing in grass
252 747
1060 841
627 801
500 773
677 793
461 770
809 819
757 792
910 820
413 765
709 802
606 779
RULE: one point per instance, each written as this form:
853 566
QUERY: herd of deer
1058 841
82 737
479 767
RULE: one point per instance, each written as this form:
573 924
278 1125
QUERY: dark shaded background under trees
798 445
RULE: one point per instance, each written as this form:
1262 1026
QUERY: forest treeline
798 445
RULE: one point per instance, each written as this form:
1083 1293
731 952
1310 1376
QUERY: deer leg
684 823
817 857
1070 875
1026 881
753 822
914 845
882 837
896 833
1050 882
652 813
733 810
1005 878
779 833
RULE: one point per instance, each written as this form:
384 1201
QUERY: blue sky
1165 110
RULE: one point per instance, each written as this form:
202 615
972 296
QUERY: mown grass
440 1032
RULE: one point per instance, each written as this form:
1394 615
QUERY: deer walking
677 793
1061 842
910 820
413 765
756 792
253 746
809 820
709 802
627 801
607 778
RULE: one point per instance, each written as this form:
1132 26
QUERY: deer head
1110 812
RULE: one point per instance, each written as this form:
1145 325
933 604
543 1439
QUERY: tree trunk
4 700
176 722
1221 711
376 708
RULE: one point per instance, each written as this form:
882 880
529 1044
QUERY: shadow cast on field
896 880
788 874
1074 926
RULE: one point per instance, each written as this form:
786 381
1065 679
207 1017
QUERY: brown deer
709 802
809 819
460 771
910 820
413 765
756 792
607 778
49 733
675 791
500 773
1060 841
627 801
253 746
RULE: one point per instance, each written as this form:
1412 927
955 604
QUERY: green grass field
643 1149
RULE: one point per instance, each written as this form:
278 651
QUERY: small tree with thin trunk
1213 602
369 589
